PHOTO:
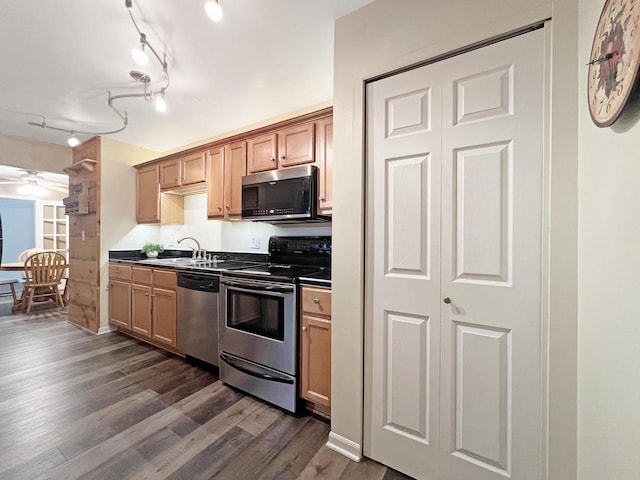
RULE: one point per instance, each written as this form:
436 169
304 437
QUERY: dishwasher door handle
254 372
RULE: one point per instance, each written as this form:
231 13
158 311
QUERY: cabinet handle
181 178
175 179
219 209
146 294
321 199
282 157
228 207
273 159
155 215
304 329
316 301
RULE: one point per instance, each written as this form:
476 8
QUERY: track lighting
73 141
141 57
214 10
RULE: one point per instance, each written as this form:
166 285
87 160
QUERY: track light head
73 141
214 10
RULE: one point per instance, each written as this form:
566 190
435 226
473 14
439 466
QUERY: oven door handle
265 376
262 287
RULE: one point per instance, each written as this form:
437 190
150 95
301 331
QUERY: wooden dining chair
45 271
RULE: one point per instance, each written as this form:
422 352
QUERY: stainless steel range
259 321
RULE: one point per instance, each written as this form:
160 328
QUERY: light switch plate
255 242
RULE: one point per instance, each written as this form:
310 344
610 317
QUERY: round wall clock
613 66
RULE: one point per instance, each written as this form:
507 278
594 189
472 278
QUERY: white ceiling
265 58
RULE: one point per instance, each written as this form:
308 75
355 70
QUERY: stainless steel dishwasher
198 311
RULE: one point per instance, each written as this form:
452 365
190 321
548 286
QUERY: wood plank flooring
74 405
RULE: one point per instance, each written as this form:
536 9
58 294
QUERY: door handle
447 300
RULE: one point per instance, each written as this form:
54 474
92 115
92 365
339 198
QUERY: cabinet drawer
316 300
141 275
165 279
120 272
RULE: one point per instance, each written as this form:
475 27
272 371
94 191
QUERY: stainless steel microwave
282 196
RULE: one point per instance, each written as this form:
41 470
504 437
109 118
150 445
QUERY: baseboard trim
106 329
344 446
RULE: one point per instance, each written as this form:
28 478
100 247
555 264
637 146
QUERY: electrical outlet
255 242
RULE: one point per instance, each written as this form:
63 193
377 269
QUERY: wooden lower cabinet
164 327
120 303
141 309
146 306
315 346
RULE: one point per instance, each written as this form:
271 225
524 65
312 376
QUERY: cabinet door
148 194
215 183
235 167
141 309
315 349
164 316
120 303
170 173
325 165
262 153
193 169
296 145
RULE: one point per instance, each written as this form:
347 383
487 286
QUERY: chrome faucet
196 253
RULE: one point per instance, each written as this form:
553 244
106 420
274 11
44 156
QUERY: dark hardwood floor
74 405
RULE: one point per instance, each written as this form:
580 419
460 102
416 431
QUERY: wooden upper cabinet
170 173
215 183
235 167
153 206
262 153
296 145
148 194
324 147
180 171
193 169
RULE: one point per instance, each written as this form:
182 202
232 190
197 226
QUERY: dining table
16 267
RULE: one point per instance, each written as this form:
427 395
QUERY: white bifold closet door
454 282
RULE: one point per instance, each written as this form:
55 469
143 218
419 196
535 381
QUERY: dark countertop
180 260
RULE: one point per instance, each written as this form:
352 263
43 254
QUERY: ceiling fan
33 180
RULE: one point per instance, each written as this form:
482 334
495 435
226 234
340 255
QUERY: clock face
613 64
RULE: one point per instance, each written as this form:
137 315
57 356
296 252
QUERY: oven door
258 322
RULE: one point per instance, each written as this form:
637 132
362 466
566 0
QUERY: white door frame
358 61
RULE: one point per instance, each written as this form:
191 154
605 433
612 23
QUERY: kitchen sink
176 261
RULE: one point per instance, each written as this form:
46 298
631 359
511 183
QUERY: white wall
609 318
236 236
117 208
31 154
390 34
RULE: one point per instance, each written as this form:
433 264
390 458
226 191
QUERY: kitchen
588 390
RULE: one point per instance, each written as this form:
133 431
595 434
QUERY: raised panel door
164 316
141 309
315 352
148 194
324 145
170 173
193 169
215 183
455 234
120 303
235 167
296 145
261 153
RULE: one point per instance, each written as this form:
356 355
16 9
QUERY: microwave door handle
258 374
